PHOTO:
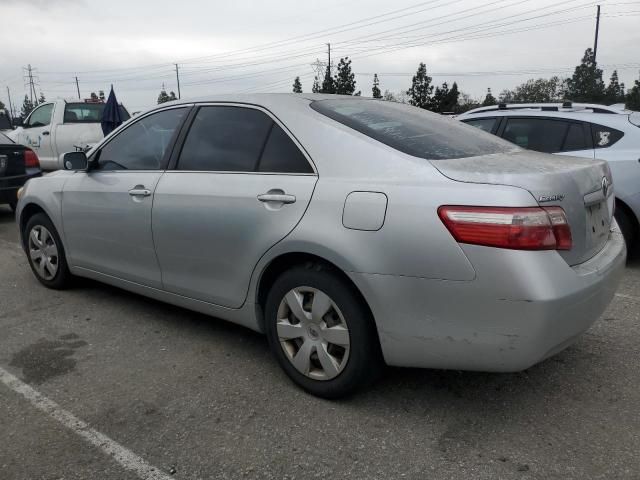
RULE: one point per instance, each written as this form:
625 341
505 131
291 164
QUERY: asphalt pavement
199 398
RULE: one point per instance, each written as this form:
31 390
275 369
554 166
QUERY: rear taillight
31 159
531 228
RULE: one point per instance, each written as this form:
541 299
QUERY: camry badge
551 198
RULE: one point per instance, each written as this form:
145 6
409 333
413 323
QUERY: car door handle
45 133
277 197
139 192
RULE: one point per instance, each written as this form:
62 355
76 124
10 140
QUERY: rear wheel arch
287 261
632 226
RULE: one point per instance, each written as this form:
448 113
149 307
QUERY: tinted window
604 137
41 116
485 124
576 138
88 112
411 130
282 155
143 145
539 134
225 139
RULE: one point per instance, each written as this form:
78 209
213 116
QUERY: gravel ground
203 398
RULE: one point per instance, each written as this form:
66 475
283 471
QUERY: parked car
351 231
581 130
60 126
17 165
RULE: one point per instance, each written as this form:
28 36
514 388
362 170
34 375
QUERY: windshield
412 130
88 112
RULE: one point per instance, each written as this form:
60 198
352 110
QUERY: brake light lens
31 159
530 228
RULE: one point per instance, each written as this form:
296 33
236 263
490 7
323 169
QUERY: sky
249 46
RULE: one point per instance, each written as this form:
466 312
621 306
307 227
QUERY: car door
107 210
37 135
241 183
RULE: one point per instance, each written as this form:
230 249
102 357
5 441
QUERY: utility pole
10 105
78 88
32 88
329 54
178 79
595 43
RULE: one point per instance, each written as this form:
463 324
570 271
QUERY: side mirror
75 161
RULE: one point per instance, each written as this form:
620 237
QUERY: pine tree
615 90
1 105
41 99
316 85
328 84
633 97
421 88
451 99
489 99
297 85
376 87
586 85
345 80
94 97
163 97
172 96
101 95
439 98
27 106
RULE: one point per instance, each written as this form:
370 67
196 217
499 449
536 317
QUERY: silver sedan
353 232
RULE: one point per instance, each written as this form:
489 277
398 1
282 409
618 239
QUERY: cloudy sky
246 46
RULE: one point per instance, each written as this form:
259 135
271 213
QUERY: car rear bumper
521 308
9 185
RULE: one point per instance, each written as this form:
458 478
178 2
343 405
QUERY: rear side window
576 138
486 124
604 137
411 130
88 112
282 155
225 139
539 134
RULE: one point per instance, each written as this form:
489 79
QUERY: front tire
321 333
45 252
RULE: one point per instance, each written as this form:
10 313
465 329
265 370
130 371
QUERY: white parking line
125 457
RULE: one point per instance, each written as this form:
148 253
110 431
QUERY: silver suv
580 130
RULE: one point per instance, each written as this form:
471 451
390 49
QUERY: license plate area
598 223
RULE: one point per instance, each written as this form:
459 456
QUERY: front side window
604 137
88 112
539 134
485 124
411 130
143 145
41 116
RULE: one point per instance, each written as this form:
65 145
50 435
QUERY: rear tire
628 228
45 253
334 350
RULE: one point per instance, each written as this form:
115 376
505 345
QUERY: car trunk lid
582 187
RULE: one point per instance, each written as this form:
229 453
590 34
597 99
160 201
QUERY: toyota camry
352 232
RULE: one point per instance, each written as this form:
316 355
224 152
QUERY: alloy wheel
313 333
43 252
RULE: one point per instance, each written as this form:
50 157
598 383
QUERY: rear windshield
88 112
412 130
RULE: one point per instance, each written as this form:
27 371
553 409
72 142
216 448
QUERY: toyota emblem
605 187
